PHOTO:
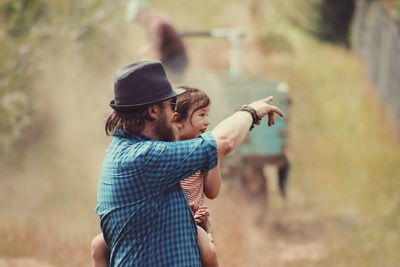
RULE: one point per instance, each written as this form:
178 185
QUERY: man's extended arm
231 132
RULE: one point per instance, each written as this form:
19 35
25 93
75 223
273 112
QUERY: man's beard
164 130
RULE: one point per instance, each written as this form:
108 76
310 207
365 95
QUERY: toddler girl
191 120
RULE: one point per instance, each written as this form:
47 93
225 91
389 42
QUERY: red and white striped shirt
194 189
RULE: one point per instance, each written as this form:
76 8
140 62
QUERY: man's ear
153 111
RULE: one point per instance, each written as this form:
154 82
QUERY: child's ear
175 117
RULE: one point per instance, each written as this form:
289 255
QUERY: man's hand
263 108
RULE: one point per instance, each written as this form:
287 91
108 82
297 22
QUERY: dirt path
283 239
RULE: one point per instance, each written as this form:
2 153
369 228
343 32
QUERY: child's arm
212 182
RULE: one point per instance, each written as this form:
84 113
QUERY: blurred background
339 62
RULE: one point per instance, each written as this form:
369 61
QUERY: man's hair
129 122
188 99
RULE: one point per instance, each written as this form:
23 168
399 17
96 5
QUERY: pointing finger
268 99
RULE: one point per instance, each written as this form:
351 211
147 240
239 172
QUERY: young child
190 119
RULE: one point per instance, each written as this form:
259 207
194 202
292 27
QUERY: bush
29 27
335 20
328 20
15 107
21 15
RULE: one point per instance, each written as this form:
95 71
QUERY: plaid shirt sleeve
168 163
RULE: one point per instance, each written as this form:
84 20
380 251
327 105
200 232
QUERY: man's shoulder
134 146
141 146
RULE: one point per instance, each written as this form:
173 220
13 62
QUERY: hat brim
173 93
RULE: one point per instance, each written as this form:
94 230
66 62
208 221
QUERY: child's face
195 124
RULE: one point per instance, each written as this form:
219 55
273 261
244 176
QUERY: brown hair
188 99
130 121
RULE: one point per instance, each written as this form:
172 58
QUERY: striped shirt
194 189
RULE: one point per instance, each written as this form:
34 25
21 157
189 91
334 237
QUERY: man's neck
148 131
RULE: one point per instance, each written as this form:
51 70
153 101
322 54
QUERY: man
165 43
145 217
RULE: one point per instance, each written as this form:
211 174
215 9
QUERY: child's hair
188 99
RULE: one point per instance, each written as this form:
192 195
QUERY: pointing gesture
263 108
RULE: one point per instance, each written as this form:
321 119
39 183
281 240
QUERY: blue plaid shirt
145 216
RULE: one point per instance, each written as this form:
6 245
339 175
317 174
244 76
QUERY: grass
344 147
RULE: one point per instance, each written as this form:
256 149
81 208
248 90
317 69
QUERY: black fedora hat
141 83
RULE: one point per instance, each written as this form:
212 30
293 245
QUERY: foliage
15 107
21 15
328 20
335 20
28 27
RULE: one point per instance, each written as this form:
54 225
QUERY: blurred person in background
165 42
144 213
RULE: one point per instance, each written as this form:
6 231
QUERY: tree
335 20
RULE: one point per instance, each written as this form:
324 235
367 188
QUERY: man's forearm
231 132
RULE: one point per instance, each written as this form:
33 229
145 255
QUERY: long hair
129 121
188 99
